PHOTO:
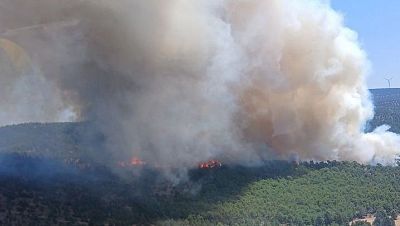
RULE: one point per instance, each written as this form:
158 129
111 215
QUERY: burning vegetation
138 162
210 164
133 162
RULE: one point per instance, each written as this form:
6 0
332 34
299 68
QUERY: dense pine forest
45 184
329 193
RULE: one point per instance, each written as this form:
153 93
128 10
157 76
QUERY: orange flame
137 162
133 162
210 164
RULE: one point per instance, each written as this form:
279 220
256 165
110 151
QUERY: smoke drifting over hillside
178 82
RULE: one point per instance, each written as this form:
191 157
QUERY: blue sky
377 23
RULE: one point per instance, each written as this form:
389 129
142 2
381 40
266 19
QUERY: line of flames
137 162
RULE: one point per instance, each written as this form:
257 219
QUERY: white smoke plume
181 81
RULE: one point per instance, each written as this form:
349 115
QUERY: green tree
382 219
319 221
360 223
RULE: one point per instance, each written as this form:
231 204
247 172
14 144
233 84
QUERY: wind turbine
388 80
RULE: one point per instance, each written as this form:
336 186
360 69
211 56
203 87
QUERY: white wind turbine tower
388 80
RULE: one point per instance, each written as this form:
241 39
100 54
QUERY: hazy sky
377 23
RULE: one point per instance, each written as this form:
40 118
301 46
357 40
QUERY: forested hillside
41 184
312 194
387 109
329 193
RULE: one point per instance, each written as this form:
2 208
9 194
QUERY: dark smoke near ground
178 82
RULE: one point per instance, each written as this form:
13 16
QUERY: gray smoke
177 82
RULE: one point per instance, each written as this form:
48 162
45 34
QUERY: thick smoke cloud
177 82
